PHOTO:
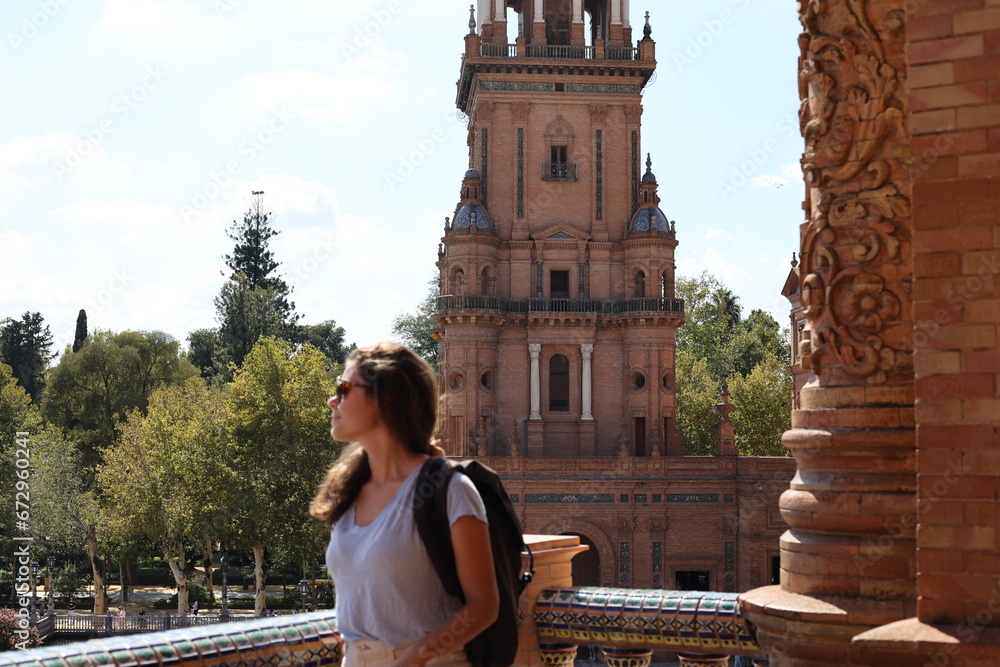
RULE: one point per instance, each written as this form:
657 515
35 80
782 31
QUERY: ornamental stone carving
624 528
854 132
484 111
633 113
598 113
520 110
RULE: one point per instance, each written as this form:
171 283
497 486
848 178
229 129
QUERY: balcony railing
559 52
525 306
498 50
559 171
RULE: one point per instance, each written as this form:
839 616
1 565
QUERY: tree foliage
715 344
279 444
80 336
763 412
413 329
326 337
17 415
167 478
25 346
90 392
697 396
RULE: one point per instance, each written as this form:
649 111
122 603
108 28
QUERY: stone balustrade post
552 554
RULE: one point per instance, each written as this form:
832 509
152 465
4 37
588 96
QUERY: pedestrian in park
71 606
194 608
392 607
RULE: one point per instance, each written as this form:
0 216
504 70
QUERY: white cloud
715 262
720 234
166 21
315 95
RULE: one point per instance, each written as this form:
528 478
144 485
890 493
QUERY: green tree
65 507
697 396
205 352
17 416
167 477
326 337
763 412
25 346
245 315
80 337
759 338
280 446
708 323
413 329
90 392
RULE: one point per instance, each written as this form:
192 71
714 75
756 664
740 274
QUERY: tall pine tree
254 301
25 346
80 338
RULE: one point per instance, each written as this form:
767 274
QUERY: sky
132 133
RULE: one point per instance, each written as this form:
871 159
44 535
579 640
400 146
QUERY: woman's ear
436 449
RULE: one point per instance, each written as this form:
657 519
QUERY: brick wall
954 74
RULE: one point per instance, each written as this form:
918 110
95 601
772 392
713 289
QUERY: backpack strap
430 513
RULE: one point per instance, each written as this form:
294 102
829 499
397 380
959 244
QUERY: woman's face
355 412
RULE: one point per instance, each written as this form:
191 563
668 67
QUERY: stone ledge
911 642
772 601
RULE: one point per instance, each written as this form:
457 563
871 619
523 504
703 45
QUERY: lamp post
51 562
224 561
303 592
33 617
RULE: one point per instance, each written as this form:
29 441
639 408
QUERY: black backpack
497 645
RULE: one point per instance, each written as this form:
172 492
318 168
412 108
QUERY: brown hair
405 390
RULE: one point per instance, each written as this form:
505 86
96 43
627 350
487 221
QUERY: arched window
457 285
559 383
486 281
640 284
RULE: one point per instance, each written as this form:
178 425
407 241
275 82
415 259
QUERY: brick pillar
955 128
553 569
848 558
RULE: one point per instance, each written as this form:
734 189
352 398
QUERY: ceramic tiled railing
305 640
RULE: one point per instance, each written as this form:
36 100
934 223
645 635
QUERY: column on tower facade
625 14
538 27
535 350
577 11
485 13
616 12
500 10
587 350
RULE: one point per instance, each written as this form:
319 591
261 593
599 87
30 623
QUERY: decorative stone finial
795 262
673 226
649 163
447 222
472 19
646 30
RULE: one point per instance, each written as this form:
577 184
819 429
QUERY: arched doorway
586 565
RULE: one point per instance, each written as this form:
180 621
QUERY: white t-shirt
387 589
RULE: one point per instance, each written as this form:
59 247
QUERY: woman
391 606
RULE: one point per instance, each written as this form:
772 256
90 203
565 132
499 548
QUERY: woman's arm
474 559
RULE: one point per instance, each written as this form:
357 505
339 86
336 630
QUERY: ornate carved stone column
848 557
536 383
587 350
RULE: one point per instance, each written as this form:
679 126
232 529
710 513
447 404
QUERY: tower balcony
559 171
608 307
559 52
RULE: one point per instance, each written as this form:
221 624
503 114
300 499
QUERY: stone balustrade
704 628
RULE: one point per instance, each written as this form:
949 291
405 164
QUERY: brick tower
557 316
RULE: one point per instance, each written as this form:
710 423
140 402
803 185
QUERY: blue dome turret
649 217
470 213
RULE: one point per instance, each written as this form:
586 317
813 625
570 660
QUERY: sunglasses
344 387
